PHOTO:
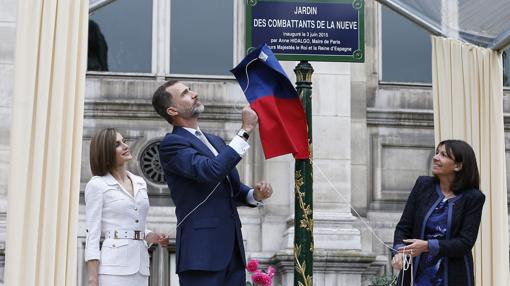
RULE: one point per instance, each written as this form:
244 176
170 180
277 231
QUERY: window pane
506 67
120 37
201 37
406 50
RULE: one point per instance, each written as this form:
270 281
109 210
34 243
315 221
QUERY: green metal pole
303 213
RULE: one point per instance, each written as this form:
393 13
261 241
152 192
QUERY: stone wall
7 47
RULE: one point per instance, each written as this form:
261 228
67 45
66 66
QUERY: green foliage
384 280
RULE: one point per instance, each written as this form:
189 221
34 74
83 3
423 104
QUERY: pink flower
260 278
252 266
271 271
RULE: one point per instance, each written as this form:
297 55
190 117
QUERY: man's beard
197 109
193 112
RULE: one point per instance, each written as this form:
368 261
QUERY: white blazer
109 207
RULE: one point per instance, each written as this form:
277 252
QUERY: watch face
243 134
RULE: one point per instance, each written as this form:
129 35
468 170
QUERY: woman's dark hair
102 151
468 176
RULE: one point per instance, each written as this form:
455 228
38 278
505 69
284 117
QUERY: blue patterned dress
431 268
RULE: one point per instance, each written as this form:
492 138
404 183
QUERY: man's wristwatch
243 134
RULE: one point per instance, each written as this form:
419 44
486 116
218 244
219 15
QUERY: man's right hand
250 119
262 191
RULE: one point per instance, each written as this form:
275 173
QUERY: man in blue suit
200 170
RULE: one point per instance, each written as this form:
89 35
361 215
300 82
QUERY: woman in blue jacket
440 221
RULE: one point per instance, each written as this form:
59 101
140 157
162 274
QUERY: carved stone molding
143 110
400 117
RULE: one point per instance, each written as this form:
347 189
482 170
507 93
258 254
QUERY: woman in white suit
116 205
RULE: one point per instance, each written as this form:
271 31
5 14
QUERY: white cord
234 107
247 77
407 261
406 258
201 203
239 108
353 209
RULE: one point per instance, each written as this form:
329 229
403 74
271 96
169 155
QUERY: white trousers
136 279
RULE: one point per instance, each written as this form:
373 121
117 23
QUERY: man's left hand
262 191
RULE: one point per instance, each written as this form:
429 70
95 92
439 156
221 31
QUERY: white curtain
46 136
467 83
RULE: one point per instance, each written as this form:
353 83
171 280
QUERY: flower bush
252 265
259 277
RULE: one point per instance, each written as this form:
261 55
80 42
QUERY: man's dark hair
468 176
162 100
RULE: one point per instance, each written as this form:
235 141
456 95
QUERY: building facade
372 124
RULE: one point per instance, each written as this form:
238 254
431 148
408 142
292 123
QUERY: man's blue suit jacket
206 238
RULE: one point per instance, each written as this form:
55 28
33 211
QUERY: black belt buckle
137 235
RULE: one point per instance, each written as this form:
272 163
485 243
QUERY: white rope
407 261
247 77
406 258
353 209
239 107
201 203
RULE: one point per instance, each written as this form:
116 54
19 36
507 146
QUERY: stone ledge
331 267
409 117
339 261
400 117
133 110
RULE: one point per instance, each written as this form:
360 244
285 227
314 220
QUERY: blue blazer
205 240
464 217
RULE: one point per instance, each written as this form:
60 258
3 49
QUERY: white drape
467 85
46 136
